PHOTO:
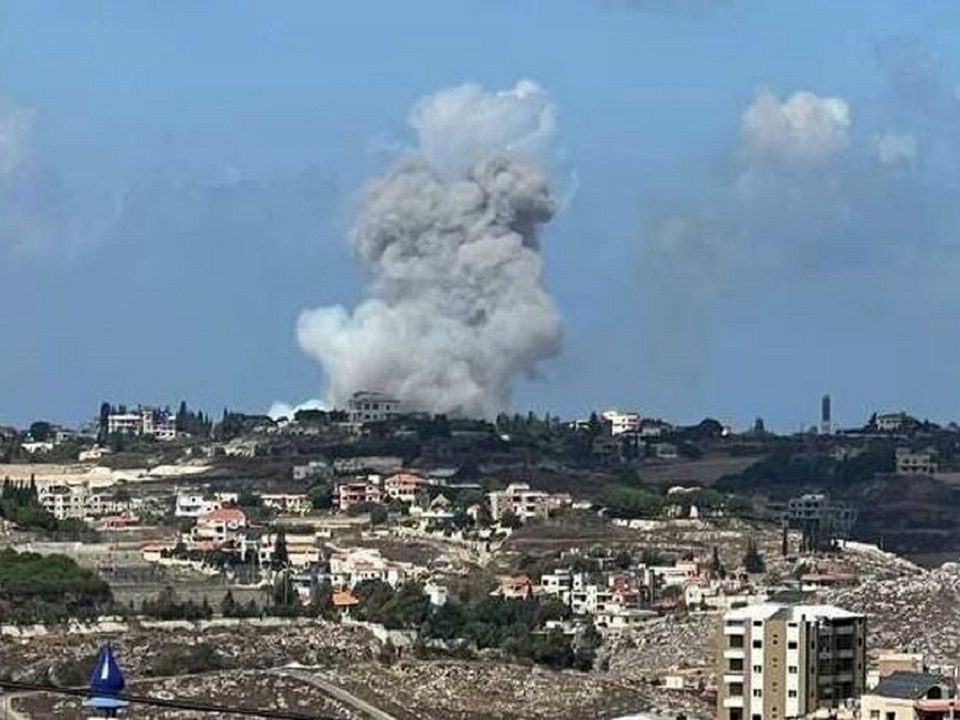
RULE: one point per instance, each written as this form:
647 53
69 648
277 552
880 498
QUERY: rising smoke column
455 310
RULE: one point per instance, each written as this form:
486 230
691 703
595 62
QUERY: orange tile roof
344 598
224 514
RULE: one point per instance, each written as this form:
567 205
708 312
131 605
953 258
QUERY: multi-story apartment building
147 421
367 406
404 487
70 501
919 462
525 502
784 661
621 422
358 492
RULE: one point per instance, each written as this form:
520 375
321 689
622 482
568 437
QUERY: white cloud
895 148
459 126
805 128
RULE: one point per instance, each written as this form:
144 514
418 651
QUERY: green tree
509 519
752 559
281 558
228 606
378 514
320 496
41 431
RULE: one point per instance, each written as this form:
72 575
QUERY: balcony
734 654
733 702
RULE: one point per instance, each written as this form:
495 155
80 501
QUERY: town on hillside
413 561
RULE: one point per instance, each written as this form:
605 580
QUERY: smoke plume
455 309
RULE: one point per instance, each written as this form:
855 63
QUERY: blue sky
186 174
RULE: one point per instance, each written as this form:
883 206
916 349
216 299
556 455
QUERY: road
338 693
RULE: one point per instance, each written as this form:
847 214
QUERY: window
736 665
758 644
758 669
791 645
736 689
755 716
791 693
891 716
757 692
792 669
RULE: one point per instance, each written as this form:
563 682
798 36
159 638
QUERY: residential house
287 503
908 695
919 462
219 526
517 587
621 422
303 549
525 502
358 492
349 568
405 487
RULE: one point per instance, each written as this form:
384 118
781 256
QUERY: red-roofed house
344 601
219 526
404 487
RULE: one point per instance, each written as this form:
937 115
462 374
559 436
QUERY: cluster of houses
618 599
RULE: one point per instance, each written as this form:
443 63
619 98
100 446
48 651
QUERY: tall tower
825 425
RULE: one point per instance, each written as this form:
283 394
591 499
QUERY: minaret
825 424
106 684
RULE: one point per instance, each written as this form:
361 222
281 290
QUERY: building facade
621 422
785 661
919 462
367 406
524 502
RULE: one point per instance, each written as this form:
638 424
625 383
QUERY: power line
174 704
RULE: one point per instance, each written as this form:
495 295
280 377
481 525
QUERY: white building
437 593
525 502
219 526
303 549
349 568
147 421
369 406
621 422
195 505
287 503
921 462
890 422
311 469
70 501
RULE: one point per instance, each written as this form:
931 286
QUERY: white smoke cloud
461 126
455 308
804 128
15 127
895 148
280 409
